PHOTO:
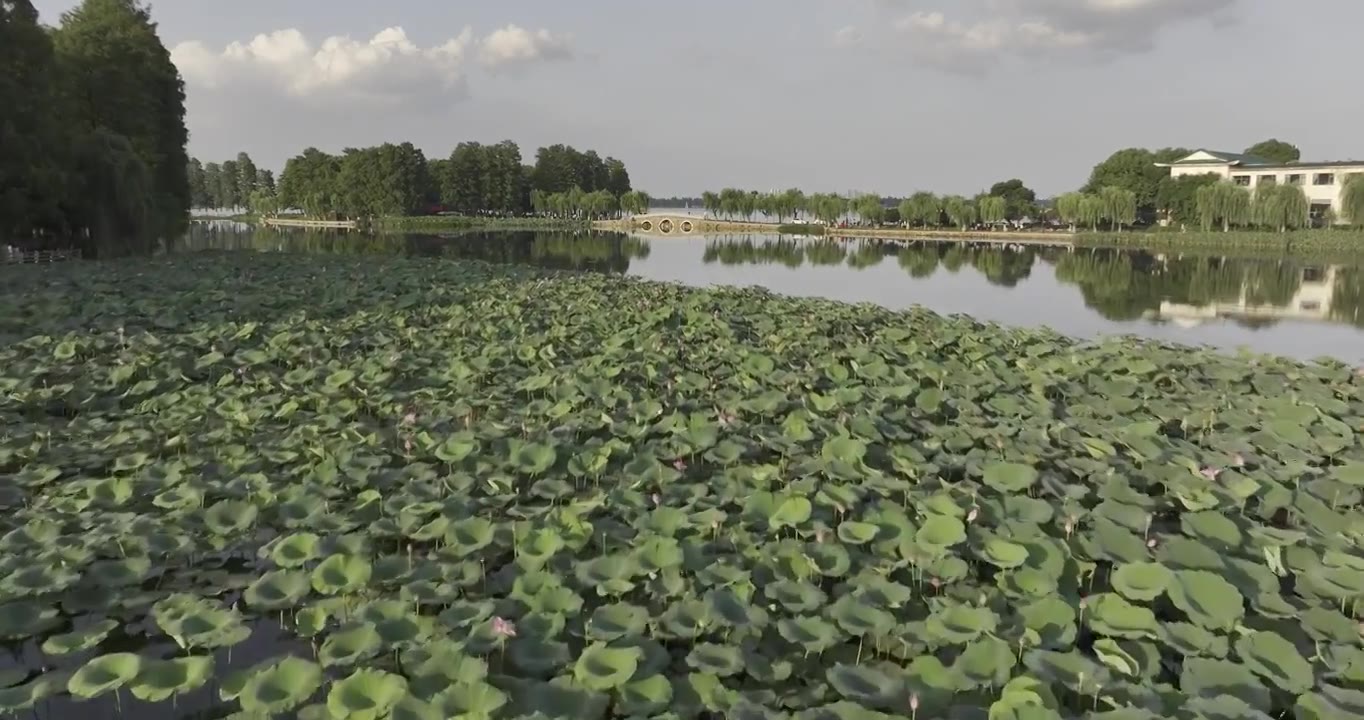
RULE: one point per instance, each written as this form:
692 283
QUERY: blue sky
888 96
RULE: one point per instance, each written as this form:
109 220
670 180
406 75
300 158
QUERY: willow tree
1283 207
1223 202
711 202
993 209
1120 206
960 211
1068 208
1092 211
924 208
117 206
870 208
1352 200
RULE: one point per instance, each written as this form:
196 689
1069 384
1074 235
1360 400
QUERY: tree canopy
1275 150
1019 199
1134 169
92 137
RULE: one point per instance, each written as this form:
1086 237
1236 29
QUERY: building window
1324 179
1294 179
1241 180
1269 180
1312 274
1310 305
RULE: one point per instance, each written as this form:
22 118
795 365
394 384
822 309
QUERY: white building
1322 182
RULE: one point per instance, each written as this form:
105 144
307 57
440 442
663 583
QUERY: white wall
1316 194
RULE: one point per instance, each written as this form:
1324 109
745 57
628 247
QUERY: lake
1287 306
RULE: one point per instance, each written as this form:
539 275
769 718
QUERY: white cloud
387 68
983 32
848 36
515 45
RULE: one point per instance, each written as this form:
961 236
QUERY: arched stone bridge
667 223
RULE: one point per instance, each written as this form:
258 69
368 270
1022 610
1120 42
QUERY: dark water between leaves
1287 306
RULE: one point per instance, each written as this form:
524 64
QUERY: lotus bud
410 418
914 702
503 628
1210 472
935 582
658 499
1151 543
680 465
820 534
971 516
1238 460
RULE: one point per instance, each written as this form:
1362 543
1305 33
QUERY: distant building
1322 182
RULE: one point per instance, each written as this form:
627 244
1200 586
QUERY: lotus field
359 488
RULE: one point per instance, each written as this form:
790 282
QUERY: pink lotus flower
914 702
407 445
680 465
410 418
1238 460
1151 543
1210 472
657 499
935 582
503 628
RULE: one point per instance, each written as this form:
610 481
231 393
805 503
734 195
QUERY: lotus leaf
1272 657
603 668
960 624
295 550
161 679
857 533
103 674
79 640
24 697
1009 477
341 574
940 532
790 512
24 618
1213 678
278 589
612 622
347 647
365 695
1109 614
720 660
1141 581
1004 554
1206 598
646 697
280 687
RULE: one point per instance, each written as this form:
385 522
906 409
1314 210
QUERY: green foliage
923 209
1281 207
1225 203
870 208
1134 169
1352 200
94 135
1177 197
960 211
451 510
993 209
1019 198
1119 206
1275 151
1070 208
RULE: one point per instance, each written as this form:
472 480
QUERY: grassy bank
1236 241
760 503
801 229
438 223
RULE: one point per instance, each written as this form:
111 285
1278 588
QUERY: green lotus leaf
79 640
858 617
538 658
1071 670
720 660
471 534
1009 477
365 695
26 696
470 700
534 459
647 697
457 447
813 634
790 512
1275 659
1053 620
278 589
986 662
857 533
685 619
295 550
103 674
1350 473
1004 554
280 686
609 574
341 575
1206 598
160 679
656 554
230 517
347 647
119 573
311 620
1110 614
940 532
467 613
1210 679
829 559
960 624
25 618
1329 703
844 449
868 685
1141 581
1192 640
603 668
539 547
612 622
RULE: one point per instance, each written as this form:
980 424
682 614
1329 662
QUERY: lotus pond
334 487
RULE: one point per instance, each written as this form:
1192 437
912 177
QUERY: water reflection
1287 306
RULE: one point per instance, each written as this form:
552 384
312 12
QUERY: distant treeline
398 180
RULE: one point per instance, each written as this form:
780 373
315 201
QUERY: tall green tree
1352 200
960 211
310 182
1177 197
1069 207
1275 150
992 208
198 188
923 209
121 79
229 192
870 208
34 128
247 175
617 177
1134 169
1092 210
1019 198
1225 203
1120 206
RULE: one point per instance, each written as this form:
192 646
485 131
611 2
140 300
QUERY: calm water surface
1289 306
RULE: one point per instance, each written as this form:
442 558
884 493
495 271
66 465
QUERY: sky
886 96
